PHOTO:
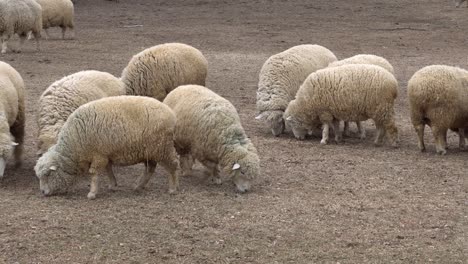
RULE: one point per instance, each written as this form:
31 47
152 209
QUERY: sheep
459 2
57 13
349 93
156 71
12 115
119 130
209 130
20 17
281 76
64 96
438 97
362 59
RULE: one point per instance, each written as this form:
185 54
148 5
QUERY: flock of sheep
159 111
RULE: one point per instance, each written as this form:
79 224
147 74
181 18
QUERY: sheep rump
438 98
57 13
281 76
209 130
12 115
156 71
349 93
64 96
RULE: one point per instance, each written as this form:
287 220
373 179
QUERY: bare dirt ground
350 203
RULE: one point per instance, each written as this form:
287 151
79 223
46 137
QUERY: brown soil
347 203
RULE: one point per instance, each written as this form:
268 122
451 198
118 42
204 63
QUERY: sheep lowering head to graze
20 17
12 115
362 59
438 97
64 96
349 93
280 78
209 130
119 130
57 13
158 70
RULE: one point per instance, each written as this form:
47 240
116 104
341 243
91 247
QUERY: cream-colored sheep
64 96
282 75
349 93
209 130
438 97
20 17
12 115
57 13
119 130
362 59
158 70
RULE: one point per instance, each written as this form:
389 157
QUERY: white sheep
362 59
119 130
12 115
158 70
57 13
349 93
64 96
20 17
438 97
280 78
209 130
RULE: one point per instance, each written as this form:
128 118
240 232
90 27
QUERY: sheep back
156 71
365 59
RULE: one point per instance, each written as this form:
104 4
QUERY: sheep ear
261 115
236 166
54 168
14 144
289 118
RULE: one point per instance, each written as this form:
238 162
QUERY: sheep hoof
442 152
91 196
172 191
323 142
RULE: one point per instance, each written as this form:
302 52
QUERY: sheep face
299 129
275 120
6 150
52 178
43 144
244 171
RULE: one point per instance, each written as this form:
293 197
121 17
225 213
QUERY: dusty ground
350 203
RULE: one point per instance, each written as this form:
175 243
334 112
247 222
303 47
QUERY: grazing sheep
282 75
158 70
64 96
349 93
208 129
459 2
20 17
438 97
120 130
57 13
362 59
12 115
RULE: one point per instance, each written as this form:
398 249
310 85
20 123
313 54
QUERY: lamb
209 130
64 96
158 70
57 13
438 97
349 93
280 78
20 17
362 59
120 130
12 115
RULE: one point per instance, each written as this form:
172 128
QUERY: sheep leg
47 36
346 128
4 44
461 134
112 179
186 163
420 131
37 36
380 135
94 186
17 130
336 129
361 130
144 179
171 165
325 133
439 137
22 38
96 166
64 29
72 33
